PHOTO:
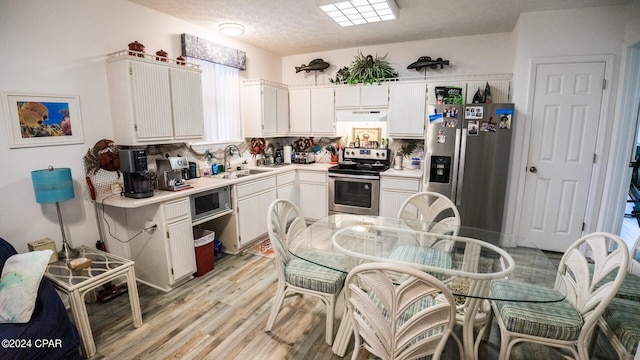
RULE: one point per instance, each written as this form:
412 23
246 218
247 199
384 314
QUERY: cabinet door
390 202
182 252
348 97
288 192
374 96
322 112
407 106
252 216
269 111
300 111
251 110
282 112
186 101
313 200
151 101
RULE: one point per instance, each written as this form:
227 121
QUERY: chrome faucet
229 151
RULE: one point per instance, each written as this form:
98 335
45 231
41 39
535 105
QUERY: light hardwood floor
222 316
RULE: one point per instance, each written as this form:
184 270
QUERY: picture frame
42 120
373 134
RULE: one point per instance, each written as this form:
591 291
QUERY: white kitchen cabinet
164 256
394 191
312 111
300 111
362 96
154 102
287 188
407 110
312 194
253 200
265 109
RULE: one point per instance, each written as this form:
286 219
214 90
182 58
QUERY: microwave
208 203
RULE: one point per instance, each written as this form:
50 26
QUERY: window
221 101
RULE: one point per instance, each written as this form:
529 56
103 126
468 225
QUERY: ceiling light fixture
232 29
356 12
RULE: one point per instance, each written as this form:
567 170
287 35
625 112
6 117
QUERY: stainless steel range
354 184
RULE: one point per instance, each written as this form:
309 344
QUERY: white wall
566 33
468 55
59 47
632 25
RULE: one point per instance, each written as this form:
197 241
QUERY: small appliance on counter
133 165
170 173
304 158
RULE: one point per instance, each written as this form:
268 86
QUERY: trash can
204 250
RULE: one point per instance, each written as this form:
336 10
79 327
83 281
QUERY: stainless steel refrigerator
467 158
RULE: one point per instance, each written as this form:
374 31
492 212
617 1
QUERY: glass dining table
467 259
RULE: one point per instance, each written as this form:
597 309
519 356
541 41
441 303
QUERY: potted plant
367 70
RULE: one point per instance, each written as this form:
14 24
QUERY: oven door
354 194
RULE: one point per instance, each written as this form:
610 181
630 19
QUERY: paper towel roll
287 155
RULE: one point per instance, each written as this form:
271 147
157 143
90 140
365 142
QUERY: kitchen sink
253 171
240 173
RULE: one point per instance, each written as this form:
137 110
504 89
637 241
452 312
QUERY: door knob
533 169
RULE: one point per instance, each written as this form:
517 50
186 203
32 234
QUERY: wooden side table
104 268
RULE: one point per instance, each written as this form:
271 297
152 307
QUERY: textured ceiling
289 27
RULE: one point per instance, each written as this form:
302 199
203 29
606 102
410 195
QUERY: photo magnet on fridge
473 112
505 116
472 128
436 118
488 126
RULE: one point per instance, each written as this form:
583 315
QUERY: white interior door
564 126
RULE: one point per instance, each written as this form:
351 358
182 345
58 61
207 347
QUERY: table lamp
53 186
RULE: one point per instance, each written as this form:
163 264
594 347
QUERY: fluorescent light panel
356 12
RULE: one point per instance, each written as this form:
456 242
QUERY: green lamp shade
52 185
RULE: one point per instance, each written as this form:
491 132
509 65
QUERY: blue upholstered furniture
48 321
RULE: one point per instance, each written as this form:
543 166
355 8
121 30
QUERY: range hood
361 115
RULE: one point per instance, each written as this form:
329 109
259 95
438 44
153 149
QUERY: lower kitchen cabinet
164 256
313 194
394 191
248 221
287 186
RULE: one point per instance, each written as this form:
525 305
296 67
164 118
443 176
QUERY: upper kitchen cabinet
265 109
407 106
312 111
362 96
153 101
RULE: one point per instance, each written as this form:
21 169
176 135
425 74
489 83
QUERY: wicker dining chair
620 321
435 213
398 312
569 324
298 276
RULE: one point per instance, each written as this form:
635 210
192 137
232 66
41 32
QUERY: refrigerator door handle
425 173
460 177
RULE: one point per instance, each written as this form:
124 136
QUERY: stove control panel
366 153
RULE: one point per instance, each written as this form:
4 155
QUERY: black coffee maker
133 165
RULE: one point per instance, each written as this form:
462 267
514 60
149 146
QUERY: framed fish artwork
42 120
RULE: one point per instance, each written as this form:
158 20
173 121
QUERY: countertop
407 173
202 184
